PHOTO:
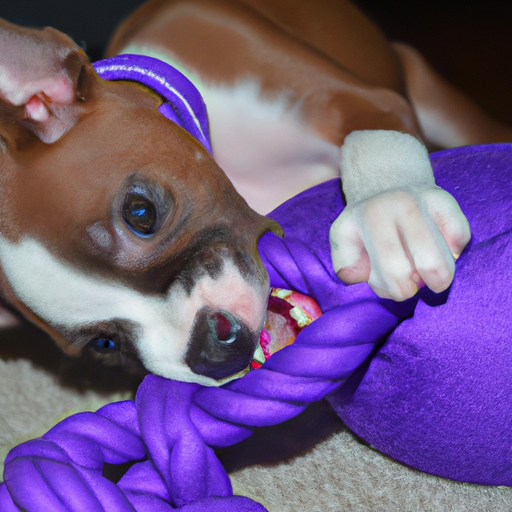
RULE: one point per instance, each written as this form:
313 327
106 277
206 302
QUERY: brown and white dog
287 84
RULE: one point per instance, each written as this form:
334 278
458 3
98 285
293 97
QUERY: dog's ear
41 77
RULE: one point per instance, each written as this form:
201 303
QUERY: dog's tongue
183 103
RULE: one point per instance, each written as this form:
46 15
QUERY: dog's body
285 88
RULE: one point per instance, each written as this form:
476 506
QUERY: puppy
120 232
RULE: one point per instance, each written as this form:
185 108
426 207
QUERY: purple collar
183 103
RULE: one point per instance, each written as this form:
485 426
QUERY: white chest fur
264 146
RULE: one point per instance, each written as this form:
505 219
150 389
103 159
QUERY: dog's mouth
231 349
223 348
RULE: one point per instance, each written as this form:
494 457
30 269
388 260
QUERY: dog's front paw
399 240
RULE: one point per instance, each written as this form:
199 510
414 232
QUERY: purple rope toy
172 428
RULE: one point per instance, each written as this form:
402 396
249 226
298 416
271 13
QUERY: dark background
469 42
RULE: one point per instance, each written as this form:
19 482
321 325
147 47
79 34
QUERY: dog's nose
220 345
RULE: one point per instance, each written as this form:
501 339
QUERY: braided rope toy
171 429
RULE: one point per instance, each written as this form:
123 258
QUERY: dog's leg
447 117
398 230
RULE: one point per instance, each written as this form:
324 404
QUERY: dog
122 235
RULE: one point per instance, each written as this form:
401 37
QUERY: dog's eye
140 214
104 344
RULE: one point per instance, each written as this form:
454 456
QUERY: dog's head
119 233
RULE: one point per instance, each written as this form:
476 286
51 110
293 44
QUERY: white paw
399 240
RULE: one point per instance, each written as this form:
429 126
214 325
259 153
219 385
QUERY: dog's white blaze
63 295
